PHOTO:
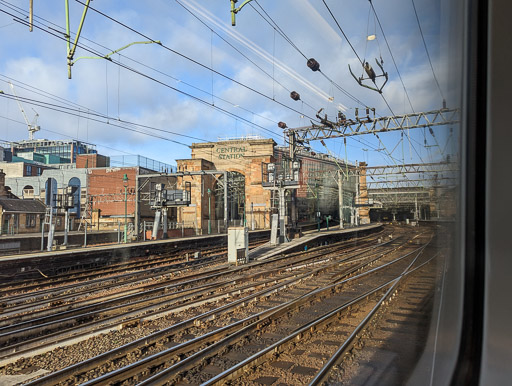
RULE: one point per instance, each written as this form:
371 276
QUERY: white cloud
39 59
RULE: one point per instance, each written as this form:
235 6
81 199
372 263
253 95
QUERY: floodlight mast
32 127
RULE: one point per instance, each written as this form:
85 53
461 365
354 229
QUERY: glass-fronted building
52 150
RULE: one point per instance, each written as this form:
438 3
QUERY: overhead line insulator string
285 37
237 50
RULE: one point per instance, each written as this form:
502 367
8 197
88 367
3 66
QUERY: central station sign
232 152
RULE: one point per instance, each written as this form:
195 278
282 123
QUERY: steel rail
117 353
321 376
94 362
260 357
87 274
136 368
130 276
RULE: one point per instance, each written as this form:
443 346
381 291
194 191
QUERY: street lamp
209 211
125 183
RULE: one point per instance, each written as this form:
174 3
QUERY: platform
32 265
310 239
31 242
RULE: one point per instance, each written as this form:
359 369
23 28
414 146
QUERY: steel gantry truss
409 185
419 183
440 167
347 127
401 185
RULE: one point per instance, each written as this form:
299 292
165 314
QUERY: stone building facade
249 203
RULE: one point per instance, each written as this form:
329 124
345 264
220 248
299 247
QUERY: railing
174 229
137 160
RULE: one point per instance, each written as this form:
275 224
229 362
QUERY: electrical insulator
282 125
313 64
431 131
295 95
369 70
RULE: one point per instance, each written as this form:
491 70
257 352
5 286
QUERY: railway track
151 262
283 342
25 331
267 298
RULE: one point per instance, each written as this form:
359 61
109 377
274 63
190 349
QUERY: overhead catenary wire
19 10
343 32
91 50
238 51
198 99
355 52
193 60
391 54
362 64
394 62
274 25
68 136
257 50
75 113
426 50
123 61
84 110
361 61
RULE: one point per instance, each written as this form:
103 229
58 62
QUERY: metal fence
143 162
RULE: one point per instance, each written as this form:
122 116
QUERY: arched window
28 191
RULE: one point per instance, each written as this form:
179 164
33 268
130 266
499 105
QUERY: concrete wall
62 176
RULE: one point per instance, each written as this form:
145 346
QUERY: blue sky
35 62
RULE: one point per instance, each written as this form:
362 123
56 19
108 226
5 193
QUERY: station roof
15 205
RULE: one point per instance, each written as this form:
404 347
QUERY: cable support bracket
371 76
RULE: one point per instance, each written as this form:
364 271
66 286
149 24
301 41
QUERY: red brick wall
107 190
91 161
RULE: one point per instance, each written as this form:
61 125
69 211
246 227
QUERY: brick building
106 193
21 216
248 202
